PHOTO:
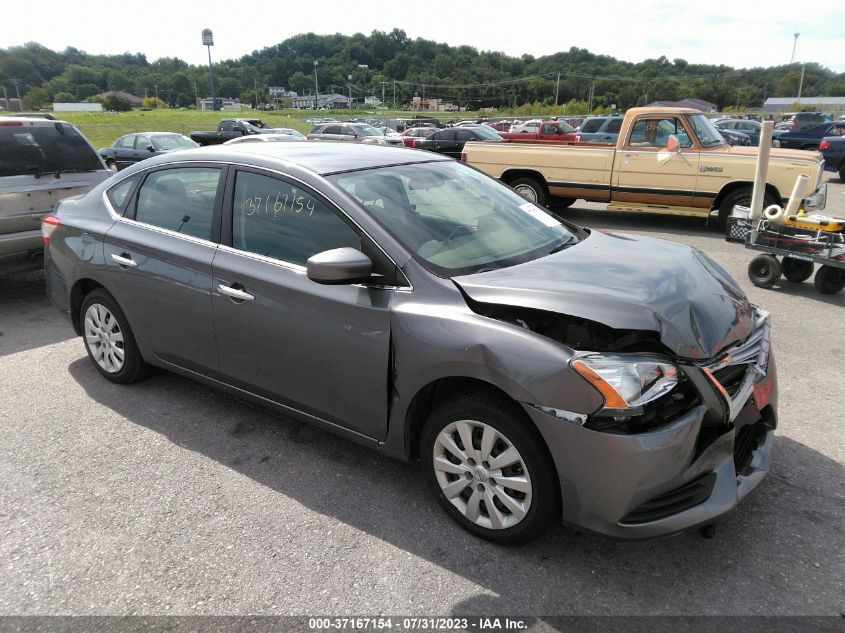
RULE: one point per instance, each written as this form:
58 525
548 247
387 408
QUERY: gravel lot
169 498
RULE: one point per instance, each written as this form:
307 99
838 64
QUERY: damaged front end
677 441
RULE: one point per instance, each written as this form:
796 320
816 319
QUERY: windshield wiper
567 242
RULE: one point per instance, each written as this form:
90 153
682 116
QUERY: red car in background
410 136
548 131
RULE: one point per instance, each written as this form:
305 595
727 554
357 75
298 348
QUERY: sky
733 32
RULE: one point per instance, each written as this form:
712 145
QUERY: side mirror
673 144
339 266
151 148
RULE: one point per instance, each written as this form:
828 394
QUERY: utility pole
6 97
255 90
350 90
557 88
592 89
18 93
801 82
794 45
196 94
394 94
156 89
316 87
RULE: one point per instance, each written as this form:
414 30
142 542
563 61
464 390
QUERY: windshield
35 149
453 219
707 135
486 134
366 130
173 141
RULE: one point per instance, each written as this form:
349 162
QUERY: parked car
499 126
229 129
412 134
265 138
42 161
735 137
525 127
420 308
811 137
131 148
450 141
286 130
600 129
833 151
359 132
748 127
546 131
805 120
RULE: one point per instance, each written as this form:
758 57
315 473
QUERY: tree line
394 66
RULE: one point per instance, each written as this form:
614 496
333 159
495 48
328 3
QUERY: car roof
320 157
31 121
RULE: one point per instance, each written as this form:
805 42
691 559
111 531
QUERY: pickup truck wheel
489 469
530 189
764 271
109 340
741 197
796 270
829 280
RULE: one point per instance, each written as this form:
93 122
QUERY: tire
530 189
111 165
764 271
829 280
561 203
741 196
796 270
519 515
105 329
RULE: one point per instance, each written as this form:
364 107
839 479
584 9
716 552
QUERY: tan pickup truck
666 160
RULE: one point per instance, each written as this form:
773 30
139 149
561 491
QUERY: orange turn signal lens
612 399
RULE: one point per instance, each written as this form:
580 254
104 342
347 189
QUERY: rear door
159 258
645 172
320 349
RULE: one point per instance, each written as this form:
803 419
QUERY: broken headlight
627 382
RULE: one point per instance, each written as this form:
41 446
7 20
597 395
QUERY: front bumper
674 478
817 201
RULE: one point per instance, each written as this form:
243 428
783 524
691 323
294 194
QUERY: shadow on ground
797 513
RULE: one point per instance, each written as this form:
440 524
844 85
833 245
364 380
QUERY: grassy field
102 128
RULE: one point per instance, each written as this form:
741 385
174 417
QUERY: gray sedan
410 303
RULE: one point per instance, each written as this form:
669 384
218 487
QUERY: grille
731 377
746 441
687 496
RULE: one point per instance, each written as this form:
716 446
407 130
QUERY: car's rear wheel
829 280
796 270
489 468
764 271
109 340
530 189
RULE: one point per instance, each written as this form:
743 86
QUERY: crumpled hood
632 283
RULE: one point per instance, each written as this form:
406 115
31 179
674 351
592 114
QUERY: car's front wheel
489 468
109 340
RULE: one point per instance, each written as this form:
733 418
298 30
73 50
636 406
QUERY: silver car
406 301
42 161
359 132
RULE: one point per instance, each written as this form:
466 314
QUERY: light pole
316 87
208 41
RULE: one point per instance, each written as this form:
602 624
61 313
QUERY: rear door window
36 149
119 194
591 125
179 199
614 126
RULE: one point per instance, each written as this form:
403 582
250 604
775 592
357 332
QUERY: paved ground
169 498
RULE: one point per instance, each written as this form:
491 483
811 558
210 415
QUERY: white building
788 104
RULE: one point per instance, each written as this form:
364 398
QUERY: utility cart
798 244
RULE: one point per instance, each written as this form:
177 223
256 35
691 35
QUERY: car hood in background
629 282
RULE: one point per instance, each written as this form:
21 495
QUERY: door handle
235 293
124 261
